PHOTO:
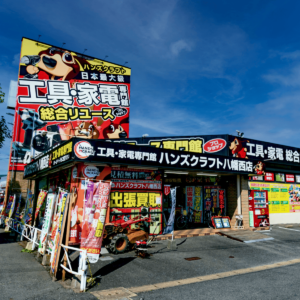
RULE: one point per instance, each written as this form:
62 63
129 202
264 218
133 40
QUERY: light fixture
176 172
143 168
207 174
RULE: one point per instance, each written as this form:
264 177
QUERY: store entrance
198 199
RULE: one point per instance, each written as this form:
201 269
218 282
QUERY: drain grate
192 258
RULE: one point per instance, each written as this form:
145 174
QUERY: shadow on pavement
113 266
5 238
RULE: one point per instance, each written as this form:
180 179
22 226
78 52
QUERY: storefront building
211 175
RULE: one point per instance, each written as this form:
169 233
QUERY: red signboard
269 177
214 145
167 190
290 178
62 94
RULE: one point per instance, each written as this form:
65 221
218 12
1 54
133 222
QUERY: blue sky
198 67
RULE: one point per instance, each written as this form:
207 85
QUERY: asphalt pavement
22 277
216 253
281 283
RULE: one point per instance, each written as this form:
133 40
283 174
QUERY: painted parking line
289 228
115 293
259 240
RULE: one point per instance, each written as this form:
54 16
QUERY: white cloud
286 78
16 60
180 45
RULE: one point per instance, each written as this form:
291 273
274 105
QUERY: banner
94 222
62 94
28 208
46 222
40 201
198 204
170 225
59 223
17 214
2 213
9 205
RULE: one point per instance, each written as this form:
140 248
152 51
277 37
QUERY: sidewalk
22 277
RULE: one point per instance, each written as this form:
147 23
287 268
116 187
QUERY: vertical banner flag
94 223
40 201
62 94
54 256
198 204
28 208
10 205
46 222
170 225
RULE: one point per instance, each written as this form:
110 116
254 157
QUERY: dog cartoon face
234 144
56 63
115 130
87 130
260 166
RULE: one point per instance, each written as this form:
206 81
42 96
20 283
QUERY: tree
1 95
4 130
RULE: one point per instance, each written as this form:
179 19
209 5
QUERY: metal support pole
238 190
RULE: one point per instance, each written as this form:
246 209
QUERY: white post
34 239
82 270
238 190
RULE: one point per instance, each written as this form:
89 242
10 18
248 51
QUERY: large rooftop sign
62 94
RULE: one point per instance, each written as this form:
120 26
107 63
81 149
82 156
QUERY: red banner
167 190
92 232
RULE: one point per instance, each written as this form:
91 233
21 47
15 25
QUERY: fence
82 266
32 234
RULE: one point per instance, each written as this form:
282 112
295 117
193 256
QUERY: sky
198 67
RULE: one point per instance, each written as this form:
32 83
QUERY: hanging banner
189 197
46 222
170 225
94 223
198 204
54 253
40 201
167 190
28 208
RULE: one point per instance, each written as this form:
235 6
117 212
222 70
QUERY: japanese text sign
62 94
